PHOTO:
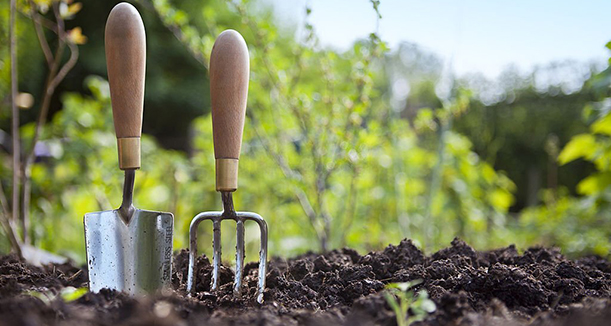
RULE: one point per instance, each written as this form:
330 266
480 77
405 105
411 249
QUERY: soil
499 287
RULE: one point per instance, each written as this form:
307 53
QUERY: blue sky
482 36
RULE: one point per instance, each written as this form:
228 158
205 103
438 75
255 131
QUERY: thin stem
435 185
350 208
291 174
53 80
9 227
15 117
74 54
306 128
30 156
178 34
46 50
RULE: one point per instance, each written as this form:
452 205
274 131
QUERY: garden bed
499 287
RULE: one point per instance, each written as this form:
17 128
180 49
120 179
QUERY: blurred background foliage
356 148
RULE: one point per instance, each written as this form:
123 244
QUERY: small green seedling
403 301
67 294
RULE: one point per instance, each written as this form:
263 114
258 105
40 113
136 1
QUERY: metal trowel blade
134 257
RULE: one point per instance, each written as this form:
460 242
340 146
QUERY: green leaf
500 199
428 305
602 125
580 146
594 184
68 294
71 293
43 296
403 286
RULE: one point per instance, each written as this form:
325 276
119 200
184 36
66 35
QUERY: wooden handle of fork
229 73
125 43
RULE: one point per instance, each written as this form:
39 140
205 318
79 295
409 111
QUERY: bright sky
482 35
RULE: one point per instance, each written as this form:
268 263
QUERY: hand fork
229 73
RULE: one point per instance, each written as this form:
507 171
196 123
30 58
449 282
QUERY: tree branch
177 32
74 54
46 50
53 79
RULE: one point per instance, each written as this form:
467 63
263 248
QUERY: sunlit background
479 37
367 122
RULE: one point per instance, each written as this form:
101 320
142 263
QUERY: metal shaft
126 211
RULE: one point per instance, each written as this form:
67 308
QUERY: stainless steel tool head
134 257
216 218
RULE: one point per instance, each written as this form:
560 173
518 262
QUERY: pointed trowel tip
126 213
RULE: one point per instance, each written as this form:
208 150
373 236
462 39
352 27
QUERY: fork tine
216 256
240 218
192 253
214 216
239 256
262 252
262 260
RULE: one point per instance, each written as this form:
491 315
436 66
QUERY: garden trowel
128 249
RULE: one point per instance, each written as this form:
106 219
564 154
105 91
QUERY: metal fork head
216 218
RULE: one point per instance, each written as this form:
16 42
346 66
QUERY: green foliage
408 306
337 170
578 224
332 154
512 130
325 159
81 175
580 146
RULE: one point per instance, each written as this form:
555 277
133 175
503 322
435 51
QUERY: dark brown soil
500 287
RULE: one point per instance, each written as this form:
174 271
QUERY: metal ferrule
226 174
129 153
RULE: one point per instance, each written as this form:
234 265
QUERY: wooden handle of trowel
126 59
229 73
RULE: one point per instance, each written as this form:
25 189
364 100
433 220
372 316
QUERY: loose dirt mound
498 287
